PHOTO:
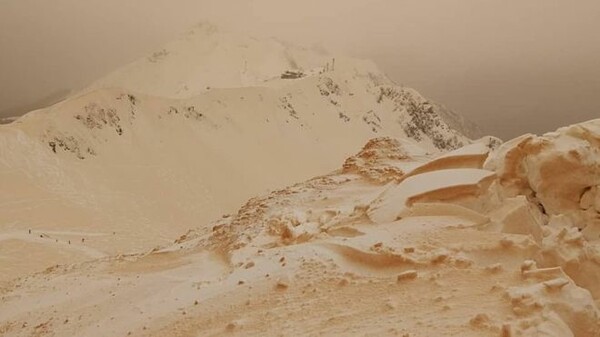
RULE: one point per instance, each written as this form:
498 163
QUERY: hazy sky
512 66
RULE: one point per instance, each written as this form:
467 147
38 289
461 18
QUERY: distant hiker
82 240
30 231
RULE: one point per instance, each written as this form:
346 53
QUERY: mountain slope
111 170
460 256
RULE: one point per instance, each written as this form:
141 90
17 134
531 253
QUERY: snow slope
309 259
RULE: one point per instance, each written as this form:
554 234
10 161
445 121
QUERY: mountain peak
207 57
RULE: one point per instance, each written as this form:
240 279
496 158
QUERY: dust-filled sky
512 66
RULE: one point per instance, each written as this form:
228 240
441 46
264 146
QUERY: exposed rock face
422 119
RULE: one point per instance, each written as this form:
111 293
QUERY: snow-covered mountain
487 240
120 207
187 134
206 58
